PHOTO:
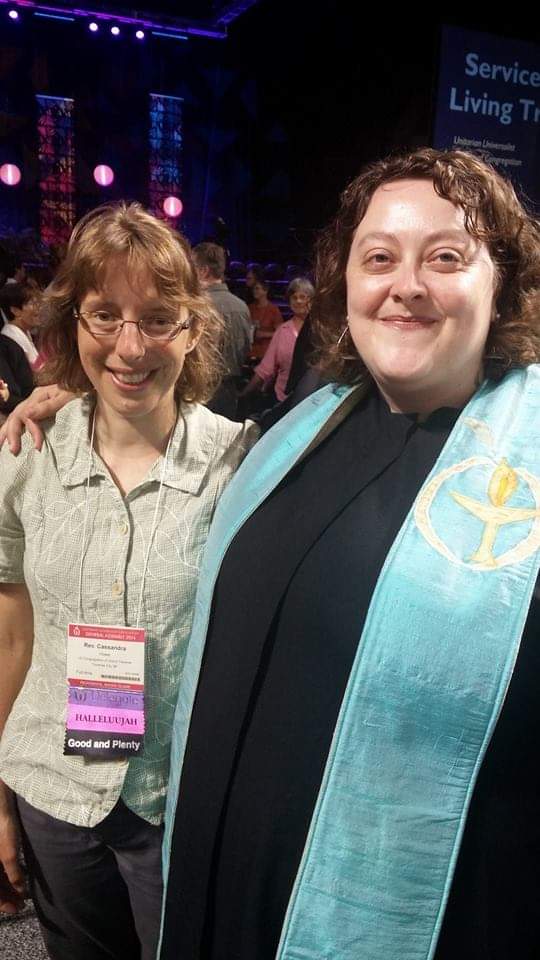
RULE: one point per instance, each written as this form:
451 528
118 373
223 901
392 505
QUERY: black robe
288 612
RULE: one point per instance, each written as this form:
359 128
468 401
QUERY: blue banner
488 102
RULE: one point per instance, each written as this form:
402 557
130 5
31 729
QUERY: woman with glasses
100 544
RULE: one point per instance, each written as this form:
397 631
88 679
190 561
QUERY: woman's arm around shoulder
43 402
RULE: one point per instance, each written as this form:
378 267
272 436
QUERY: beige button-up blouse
42 507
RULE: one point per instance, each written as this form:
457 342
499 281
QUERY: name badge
105 677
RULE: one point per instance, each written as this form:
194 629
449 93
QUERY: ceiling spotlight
115 31
140 34
93 26
13 14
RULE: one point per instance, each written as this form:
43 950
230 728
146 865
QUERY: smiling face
420 293
134 377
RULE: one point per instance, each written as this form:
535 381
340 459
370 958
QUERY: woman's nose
130 343
407 283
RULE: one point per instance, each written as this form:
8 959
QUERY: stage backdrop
113 87
489 102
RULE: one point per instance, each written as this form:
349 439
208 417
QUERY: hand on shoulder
43 403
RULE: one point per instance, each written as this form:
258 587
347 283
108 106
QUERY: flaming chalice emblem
495 514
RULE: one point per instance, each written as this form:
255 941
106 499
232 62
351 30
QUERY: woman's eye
446 257
378 259
158 322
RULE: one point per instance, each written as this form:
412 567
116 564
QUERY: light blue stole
428 682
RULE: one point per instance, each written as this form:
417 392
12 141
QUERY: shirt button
123 527
117 588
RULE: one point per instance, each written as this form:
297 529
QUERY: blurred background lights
140 34
173 206
10 174
13 14
93 26
115 31
103 175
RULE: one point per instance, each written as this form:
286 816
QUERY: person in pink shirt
275 366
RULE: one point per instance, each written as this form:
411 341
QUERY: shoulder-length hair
148 247
493 214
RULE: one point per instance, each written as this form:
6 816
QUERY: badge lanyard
105 665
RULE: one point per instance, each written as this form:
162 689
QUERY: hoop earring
343 333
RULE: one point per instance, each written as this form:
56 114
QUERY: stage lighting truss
165 155
138 27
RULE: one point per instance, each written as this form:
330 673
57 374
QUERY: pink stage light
140 34
13 14
10 174
115 31
103 175
173 206
93 26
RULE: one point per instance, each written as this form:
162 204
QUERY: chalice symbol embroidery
495 513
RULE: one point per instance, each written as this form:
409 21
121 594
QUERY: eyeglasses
101 323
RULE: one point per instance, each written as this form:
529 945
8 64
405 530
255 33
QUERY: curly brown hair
493 214
146 245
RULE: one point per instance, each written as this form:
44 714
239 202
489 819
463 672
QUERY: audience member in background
254 274
302 356
19 303
265 317
276 364
210 263
16 380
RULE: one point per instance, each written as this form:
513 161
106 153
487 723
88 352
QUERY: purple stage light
115 31
13 14
10 174
103 175
173 206
140 34
93 26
